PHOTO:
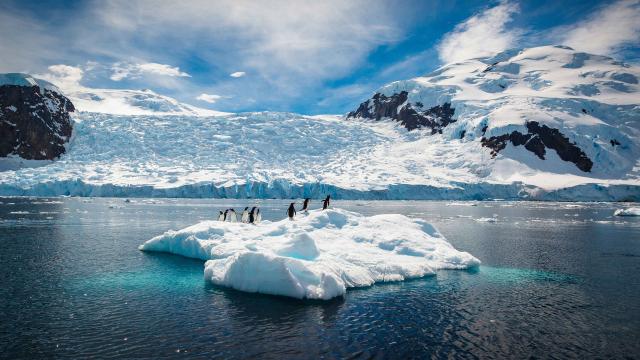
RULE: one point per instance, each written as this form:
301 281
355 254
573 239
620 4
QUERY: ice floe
316 256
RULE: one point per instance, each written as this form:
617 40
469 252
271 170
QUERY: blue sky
300 56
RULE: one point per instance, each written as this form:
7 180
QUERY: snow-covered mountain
543 123
537 110
132 102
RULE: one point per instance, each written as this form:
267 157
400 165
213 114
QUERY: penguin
328 200
252 215
291 211
305 205
221 216
232 216
226 212
258 216
325 204
245 215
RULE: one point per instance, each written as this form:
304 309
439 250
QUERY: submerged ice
317 256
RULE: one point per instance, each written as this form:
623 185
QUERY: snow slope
21 79
316 256
133 102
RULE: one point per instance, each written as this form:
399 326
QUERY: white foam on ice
316 256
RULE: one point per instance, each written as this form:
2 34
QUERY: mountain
535 109
132 102
34 118
545 123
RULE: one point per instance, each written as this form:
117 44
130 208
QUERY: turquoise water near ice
557 280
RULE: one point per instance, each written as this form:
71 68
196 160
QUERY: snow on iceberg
317 256
634 211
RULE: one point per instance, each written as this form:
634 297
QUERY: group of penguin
254 216
291 212
248 217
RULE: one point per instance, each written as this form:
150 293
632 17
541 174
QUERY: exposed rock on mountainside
539 138
394 107
34 118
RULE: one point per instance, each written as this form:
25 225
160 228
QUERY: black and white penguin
232 216
305 205
245 215
252 215
325 204
221 216
328 200
226 212
258 216
291 211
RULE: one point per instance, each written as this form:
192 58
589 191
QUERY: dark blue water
557 280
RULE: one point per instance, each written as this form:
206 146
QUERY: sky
310 57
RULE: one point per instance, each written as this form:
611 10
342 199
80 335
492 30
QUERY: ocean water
557 280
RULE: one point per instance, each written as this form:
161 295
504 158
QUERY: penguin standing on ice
291 211
245 215
252 215
226 212
325 202
258 216
232 216
305 205
221 216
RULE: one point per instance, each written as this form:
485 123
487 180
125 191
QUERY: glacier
318 255
170 150
282 155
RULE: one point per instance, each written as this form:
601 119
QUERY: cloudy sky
301 56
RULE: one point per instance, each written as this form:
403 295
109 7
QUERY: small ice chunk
633 211
487 219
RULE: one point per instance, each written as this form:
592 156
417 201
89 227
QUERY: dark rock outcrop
411 116
537 139
34 122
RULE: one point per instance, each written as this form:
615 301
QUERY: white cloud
210 98
66 77
606 30
126 70
481 35
291 48
237 74
280 40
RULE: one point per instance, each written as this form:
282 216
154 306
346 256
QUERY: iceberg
316 256
633 211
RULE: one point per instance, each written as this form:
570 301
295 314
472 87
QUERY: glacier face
283 155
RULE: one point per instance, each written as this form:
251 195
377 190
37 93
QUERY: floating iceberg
316 256
634 211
